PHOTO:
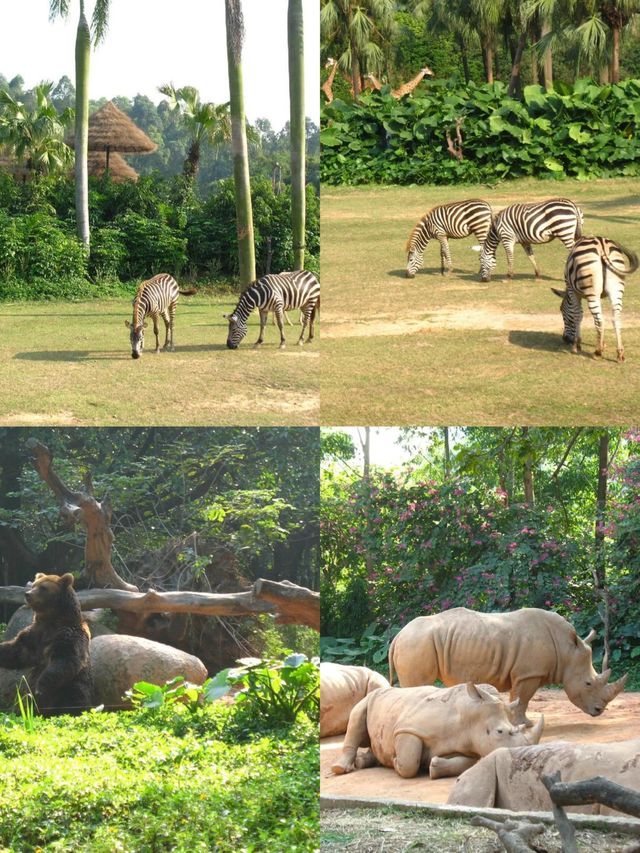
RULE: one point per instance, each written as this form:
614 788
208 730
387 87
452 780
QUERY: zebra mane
413 237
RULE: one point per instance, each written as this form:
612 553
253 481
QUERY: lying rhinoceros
409 728
342 687
519 651
510 778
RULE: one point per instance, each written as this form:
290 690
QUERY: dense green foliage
582 131
153 781
424 539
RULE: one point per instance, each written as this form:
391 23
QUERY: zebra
156 297
456 219
535 222
595 268
277 293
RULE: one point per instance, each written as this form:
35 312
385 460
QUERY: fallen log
517 836
296 605
595 790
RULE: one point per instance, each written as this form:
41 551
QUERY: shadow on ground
88 355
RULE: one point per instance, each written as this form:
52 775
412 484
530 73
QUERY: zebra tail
191 292
631 257
578 234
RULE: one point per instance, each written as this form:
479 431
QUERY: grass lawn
148 782
70 364
452 350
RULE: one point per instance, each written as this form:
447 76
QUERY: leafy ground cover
454 350
70 364
153 781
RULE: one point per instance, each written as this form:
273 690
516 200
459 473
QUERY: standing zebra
156 297
595 268
457 219
536 222
278 293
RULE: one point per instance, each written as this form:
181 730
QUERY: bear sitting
56 645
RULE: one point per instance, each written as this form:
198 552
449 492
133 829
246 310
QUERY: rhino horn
477 694
590 637
535 733
612 690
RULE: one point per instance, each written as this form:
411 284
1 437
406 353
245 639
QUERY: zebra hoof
282 346
620 356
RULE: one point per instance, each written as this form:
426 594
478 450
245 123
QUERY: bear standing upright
56 645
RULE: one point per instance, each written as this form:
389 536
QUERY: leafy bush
108 252
582 131
151 246
36 247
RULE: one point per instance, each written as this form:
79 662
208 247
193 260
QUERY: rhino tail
391 673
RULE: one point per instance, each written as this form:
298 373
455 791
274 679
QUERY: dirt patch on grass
30 419
563 721
374 831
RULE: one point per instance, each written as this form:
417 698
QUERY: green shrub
582 131
152 247
108 252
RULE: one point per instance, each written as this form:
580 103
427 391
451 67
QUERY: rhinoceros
518 651
409 728
342 687
510 778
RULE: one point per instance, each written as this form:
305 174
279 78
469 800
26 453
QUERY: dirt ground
563 721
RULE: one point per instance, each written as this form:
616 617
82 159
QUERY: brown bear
56 645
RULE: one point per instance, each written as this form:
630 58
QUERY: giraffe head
136 336
427 71
330 62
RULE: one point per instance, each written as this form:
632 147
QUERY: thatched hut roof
112 130
119 169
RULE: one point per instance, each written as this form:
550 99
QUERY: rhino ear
590 637
475 693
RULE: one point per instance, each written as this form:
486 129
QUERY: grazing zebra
457 219
595 268
278 293
536 222
156 297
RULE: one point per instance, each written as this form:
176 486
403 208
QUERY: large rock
117 662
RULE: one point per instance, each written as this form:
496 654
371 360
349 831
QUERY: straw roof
112 130
119 169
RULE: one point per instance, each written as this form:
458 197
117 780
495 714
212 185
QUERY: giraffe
327 86
408 87
372 82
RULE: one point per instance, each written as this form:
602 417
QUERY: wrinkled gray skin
409 728
511 778
341 688
518 651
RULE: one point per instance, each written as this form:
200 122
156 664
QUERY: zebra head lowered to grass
456 219
534 222
278 293
596 267
155 298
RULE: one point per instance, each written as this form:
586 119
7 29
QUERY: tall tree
297 129
99 23
244 213
206 123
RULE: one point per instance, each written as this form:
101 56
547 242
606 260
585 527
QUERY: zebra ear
560 293
127 324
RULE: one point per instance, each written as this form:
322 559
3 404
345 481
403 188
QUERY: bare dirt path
563 721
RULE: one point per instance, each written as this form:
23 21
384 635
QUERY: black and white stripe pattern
537 222
278 293
457 219
155 298
596 267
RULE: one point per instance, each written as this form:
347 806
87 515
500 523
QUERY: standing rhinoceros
510 778
342 687
519 651
408 728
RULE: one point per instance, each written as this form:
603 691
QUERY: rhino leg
366 759
478 786
408 757
523 691
449 765
356 736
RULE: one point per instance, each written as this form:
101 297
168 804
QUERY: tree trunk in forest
599 571
82 57
355 73
487 54
297 129
94 515
527 477
547 67
515 83
296 605
447 453
615 55
464 56
365 443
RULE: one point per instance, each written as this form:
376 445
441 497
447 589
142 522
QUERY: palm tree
207 123
297 129
355 31
244 214
36 137
470 20
99 23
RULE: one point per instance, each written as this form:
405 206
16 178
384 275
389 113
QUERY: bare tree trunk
488 62
595 790
515 83
365 443
464 56
615 55
94 515
547 68
447 453
600 572
296 604
527 477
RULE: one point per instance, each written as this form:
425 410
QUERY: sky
153 42
383 450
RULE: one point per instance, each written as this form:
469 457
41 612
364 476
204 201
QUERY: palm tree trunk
547 69
297 129
464 57
244 214
615 55
515 84
83 51
488 62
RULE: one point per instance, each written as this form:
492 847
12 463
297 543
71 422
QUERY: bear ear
66 579
39 575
